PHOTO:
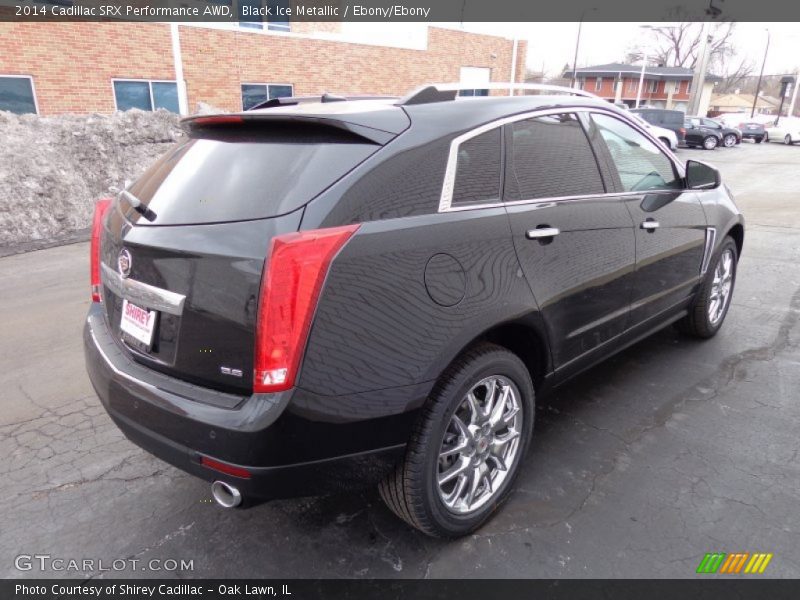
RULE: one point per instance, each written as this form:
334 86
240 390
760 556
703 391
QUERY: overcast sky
553 44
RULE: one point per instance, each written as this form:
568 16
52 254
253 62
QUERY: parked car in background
787 131
700 136
730 136
752 130
668 119
665 136
279 309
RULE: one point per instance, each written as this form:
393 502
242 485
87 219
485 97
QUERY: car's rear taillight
294 273
100 209
682 131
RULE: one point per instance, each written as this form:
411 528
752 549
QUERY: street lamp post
577 46
641 78
760 76
575 58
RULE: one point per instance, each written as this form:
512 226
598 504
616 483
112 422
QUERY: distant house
662 87
735 103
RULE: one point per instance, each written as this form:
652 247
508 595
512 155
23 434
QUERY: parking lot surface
671 449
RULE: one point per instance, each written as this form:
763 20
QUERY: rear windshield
229 175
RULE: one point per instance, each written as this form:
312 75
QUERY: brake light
100 209
218 120
682 130
294 273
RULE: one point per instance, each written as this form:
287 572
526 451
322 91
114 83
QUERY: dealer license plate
138 322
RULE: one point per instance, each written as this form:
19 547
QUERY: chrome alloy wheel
729 141
480 445
721 287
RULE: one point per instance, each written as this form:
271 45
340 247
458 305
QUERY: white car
787 131
665 136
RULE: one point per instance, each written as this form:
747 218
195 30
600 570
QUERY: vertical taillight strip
294 273
100 209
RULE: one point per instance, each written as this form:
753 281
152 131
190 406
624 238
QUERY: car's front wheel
710 306
787 140
729 141
467 446
710 142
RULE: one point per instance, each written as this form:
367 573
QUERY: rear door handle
650 225
543 232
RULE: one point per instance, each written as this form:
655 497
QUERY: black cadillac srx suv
317 296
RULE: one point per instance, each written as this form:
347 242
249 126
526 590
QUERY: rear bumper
285 454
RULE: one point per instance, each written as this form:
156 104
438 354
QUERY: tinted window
478 169
16 95
550 157
256 93
640 163
132 94
165 95
146 95
249 174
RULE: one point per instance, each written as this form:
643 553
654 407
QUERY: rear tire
729 141
787 140
759 140
451 436
705 317
710 142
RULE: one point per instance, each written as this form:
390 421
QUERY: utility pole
699 76
760 76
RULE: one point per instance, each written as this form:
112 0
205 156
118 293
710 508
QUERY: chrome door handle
544 232
650 225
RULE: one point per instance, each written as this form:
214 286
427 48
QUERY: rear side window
478 170
641 164
235 175
550 156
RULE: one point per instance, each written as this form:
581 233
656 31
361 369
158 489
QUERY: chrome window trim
708 250
448 184
143 294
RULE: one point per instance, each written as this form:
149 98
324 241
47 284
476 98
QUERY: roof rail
444 92
326 97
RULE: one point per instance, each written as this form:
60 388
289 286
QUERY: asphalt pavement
671 449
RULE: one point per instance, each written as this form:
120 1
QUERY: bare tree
680 45
735 77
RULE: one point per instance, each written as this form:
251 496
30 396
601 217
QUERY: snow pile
52 169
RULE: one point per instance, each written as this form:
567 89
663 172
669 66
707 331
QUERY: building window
16 94
632 85
256 93
249 19
146 95
598 84
475 76
677 88
689 86
652 86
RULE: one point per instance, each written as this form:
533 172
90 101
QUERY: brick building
55 68
663 87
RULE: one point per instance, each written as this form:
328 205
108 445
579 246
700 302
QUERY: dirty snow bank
52 169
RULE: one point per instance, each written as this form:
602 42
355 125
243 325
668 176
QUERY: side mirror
700 176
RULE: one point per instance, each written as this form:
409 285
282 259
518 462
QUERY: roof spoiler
445 92
218 124
326 97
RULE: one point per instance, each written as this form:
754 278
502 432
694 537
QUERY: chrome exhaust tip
225 494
